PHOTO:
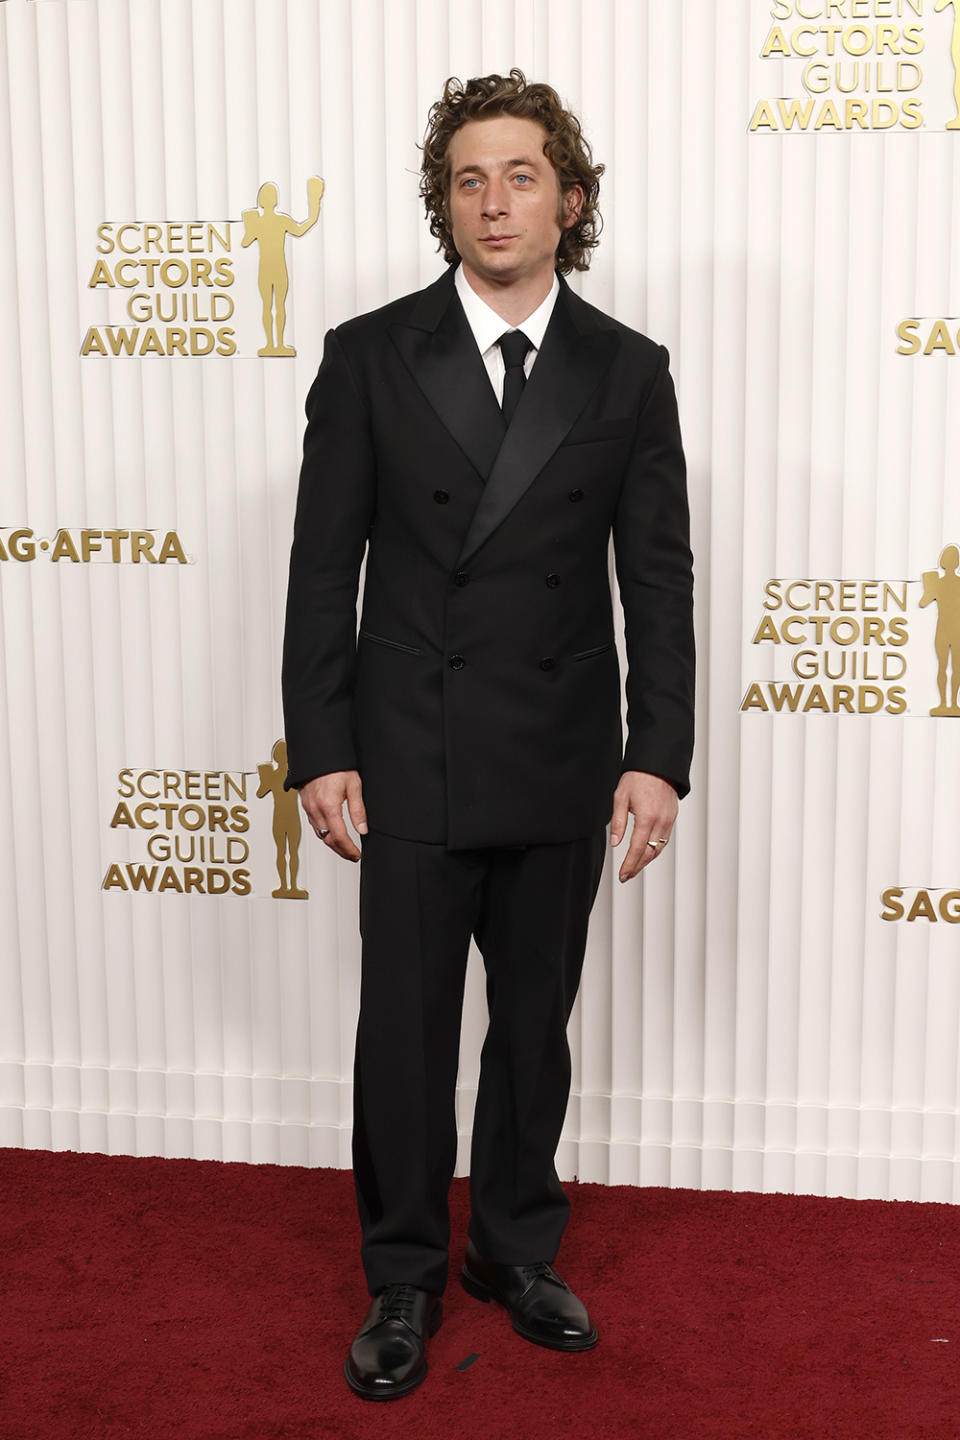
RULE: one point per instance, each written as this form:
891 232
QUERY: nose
495 199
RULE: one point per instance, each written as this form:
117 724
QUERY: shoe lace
397 1301
537 1269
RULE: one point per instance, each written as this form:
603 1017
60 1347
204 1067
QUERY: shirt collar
488 326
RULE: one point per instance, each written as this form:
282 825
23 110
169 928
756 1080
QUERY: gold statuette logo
954 124
269 227
286 822
944 592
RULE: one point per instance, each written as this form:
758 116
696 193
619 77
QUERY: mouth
496 241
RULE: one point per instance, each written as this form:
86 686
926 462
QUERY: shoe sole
436 1320
479 1291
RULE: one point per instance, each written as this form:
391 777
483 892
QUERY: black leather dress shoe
542 1307
388 1357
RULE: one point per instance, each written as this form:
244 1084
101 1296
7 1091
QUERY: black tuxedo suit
481 705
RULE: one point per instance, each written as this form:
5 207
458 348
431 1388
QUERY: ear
572 205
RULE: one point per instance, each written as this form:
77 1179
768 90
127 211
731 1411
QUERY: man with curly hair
481 440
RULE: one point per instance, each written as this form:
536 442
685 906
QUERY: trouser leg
531 931
418 907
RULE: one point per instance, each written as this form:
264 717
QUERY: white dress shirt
487 327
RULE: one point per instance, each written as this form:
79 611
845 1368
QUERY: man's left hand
653 804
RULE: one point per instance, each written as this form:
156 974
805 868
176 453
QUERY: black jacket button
461 578
457 662
553 581
576 494
546 663
441 496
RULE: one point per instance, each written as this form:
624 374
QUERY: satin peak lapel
438 348
568 369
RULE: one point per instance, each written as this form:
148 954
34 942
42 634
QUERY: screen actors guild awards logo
176 281
196 834
856 69
286 822
269 227
857 632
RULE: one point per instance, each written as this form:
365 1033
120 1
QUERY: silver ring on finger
323 833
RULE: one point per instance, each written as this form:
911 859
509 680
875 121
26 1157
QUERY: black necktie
513 347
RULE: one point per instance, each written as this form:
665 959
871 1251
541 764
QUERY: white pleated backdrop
747 1020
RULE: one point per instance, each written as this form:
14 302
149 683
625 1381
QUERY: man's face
505 207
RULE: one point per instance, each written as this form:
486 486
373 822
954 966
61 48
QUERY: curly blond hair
565 147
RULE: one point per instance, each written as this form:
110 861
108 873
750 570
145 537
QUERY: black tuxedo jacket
481 700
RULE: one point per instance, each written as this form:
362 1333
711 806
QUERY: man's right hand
322 798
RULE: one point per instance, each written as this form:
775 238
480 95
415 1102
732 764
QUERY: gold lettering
151 343
122 339
816 700
127 249
22 545
829 115
776 43
115 537
92 343
922 907
766 630
171 549
141 547
763 117
892 909
948 907
939 339
753 700
101 276
238 785
63 546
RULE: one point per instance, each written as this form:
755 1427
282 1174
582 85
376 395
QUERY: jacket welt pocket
390 644
599 431
595 650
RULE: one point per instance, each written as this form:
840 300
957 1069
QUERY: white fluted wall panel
748 1017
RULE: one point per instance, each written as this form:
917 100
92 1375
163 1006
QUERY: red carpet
147 1298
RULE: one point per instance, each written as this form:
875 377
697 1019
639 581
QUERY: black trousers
528 908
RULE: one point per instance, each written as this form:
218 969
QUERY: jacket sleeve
335 505
651 535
